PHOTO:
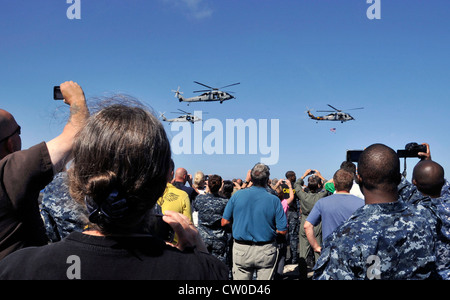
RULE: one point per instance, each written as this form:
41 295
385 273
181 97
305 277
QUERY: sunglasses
18 131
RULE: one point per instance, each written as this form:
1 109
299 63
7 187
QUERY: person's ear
359 179
10 145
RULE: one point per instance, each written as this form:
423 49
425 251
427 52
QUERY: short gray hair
260 174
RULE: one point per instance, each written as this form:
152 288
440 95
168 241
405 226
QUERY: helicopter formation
210 95
216 94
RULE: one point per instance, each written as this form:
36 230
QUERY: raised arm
60 148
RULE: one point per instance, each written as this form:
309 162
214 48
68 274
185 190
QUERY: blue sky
289 56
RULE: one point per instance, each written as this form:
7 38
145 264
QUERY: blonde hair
199 179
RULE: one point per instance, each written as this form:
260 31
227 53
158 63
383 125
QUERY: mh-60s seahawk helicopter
336 115
188 117
213 94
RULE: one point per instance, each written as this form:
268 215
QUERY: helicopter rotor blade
230 85
201 91
177 92
338 110
204 85
355 108
184 111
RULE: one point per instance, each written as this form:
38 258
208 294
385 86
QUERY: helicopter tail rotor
178 93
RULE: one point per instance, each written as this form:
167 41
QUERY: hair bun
101 185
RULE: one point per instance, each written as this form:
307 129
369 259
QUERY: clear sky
288 55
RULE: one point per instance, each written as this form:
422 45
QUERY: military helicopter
336 115
213 94
188 117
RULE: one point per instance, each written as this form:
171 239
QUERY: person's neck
342 192
379 196
259 186
93 232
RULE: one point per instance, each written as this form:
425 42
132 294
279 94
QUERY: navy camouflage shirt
440 212
381 241
210 210
60 213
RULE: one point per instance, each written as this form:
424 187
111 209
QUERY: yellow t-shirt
175 200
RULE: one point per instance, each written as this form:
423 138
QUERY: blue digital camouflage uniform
60 213
443 232
210 210
381 241
440 211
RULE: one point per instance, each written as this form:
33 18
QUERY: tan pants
248 259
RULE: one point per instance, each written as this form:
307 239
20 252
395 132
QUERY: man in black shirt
181 177
24 173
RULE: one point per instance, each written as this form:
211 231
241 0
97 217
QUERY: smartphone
57 95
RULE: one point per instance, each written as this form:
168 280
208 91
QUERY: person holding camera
430 189
181 176
120 168
408 191
380 238
308 197
23 174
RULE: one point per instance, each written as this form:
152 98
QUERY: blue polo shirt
333 211
255 215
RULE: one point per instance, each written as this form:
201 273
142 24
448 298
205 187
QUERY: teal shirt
256 215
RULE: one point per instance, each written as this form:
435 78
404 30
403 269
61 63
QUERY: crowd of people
126 212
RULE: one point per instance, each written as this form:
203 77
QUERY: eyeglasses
18 131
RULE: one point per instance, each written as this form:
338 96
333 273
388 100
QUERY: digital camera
412 150
157 227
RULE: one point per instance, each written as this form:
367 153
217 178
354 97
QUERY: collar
381 208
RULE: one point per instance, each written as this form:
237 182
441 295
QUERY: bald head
7 123
9 141
379 168
181 175
428 176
